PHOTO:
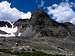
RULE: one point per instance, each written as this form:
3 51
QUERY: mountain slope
47 35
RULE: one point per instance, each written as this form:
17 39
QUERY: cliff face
42 23
47 35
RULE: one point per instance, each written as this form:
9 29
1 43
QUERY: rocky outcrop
42 23
22 24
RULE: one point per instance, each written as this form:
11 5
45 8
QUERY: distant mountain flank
41 33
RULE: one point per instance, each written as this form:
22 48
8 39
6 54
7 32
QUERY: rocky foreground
41 33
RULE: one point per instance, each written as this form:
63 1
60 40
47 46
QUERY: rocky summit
41 33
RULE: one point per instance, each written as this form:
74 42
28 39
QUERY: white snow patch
11 31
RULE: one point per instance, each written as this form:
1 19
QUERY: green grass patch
36 53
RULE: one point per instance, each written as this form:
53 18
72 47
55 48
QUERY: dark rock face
71 28
3 23
39 20
42 23
2 32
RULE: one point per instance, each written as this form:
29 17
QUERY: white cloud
11 14
62 12
28 15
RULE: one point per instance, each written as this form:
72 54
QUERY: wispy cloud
40 3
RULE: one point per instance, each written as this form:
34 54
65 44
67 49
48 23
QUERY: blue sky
30 5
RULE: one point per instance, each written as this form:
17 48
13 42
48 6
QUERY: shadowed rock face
22 22
42 23
2 32
3 23
71 28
